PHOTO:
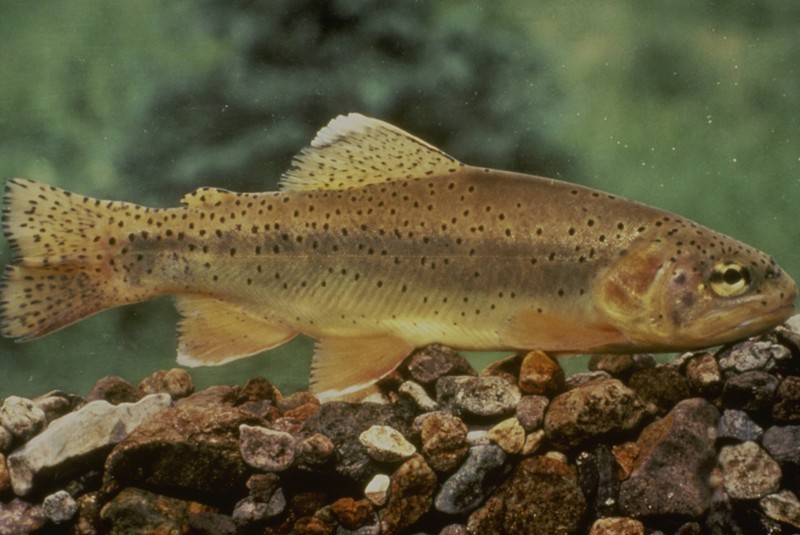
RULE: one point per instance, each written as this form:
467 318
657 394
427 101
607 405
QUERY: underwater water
688 106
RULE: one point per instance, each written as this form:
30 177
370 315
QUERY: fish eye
729 279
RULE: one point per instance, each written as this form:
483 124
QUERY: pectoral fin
342 366
534 330
212 332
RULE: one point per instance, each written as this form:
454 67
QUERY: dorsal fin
353 151
206 197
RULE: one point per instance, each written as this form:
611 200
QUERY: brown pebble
540 375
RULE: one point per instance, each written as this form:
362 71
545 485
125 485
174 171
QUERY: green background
687 105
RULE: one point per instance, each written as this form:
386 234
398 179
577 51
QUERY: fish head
690 288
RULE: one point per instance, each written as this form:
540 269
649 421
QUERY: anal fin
534 330
342 366
212 332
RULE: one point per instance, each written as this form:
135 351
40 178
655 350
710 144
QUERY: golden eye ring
729 279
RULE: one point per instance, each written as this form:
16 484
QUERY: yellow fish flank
378 243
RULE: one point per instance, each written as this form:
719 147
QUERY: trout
377 243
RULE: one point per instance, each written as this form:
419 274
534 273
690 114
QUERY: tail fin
62 267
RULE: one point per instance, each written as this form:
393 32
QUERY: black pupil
733 276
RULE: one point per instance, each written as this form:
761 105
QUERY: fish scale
379 243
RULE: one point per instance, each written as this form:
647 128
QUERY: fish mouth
755 325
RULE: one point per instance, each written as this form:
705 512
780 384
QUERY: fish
377 243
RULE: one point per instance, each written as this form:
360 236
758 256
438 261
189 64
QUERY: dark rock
620 366
671 474
265 449
661 386
505 368
21 417
454 529
139 511
737 425
59 507
786 409
207 523
540 375
114 390
598 479
704 375
176 382
558 507
428 364
5 476
76 440
530 412
87 520
751 391
410 495
343 422
444 441
467 488
190 447
592 411
748 471
260 398
477 396
20 518
783 443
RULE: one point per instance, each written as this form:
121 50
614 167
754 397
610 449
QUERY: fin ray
354 151
212 332
342 366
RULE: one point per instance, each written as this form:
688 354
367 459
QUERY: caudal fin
62 266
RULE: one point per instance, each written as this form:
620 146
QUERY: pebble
56 404
114 390
617 526
77 435
136 510
749 473
558 507
509 435
352 514
579 379
418 394
386 444
530 411
751 391
252 510
661 386
782 506
176 382
410 494
428 364
266 449
704 375
591 411
315 451
59 507
671 474
737 425
377 490
444 441
786 409
6 439
620 366
21 417
533 441
749 355
540 375
485 396
5 476
18 517
263 485
783 443
478 437
466 488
